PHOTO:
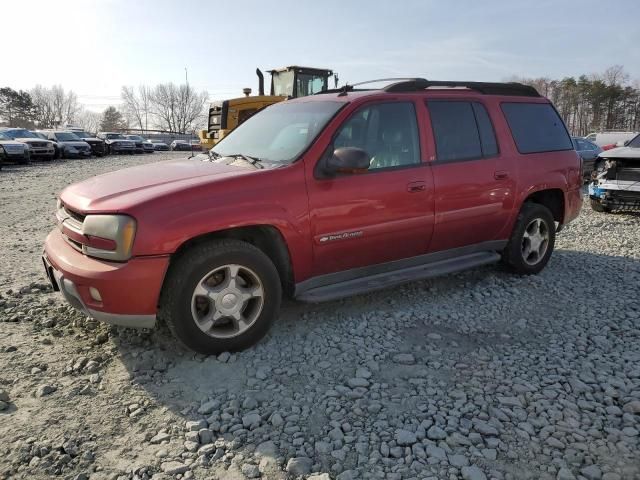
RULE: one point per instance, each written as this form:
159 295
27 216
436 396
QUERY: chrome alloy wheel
227 301
535 241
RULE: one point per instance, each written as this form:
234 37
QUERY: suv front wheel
532 240
220 296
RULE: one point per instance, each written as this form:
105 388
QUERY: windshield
279 133
20 133
83 134
308 84
67 137
115 135
137 138
4 137
635 143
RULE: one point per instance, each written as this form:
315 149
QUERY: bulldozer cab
294 81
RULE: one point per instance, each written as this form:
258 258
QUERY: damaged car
615 180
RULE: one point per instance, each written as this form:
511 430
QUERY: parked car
12 151
159 145
68 144
588 151
616 182
142 145
319 198
38 147
98 147
196 145
180 145
117 143
609 140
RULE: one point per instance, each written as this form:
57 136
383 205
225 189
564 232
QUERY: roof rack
486 88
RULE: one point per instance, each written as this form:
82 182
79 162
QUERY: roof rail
487 88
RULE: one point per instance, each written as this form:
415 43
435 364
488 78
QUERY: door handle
415 187
500 174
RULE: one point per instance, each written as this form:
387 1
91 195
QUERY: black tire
186 272
598 207
514 253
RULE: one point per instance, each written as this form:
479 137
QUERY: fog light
95 294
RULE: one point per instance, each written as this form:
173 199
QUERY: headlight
109 236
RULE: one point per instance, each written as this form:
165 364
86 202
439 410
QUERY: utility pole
186 78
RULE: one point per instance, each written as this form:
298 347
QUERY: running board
381 281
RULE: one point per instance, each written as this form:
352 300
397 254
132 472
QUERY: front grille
78 217
38 144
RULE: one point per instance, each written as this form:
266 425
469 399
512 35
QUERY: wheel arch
551 198
267 238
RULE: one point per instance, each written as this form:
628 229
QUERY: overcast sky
95 46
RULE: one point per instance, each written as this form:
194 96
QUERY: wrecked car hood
621 152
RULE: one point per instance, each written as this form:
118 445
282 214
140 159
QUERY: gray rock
44 390
323 448
205 436
3 405
347 475
319 476
224 357
632 407
266 449
194 426
458 461
173 468
160 437
436 433
250 471
592 472
436 452
404 358
473 473
299 465
565 474
251 419
405 437
4 395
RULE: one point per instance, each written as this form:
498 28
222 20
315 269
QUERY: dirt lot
472 376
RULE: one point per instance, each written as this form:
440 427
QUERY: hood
73 143
621 152
93 139
11 143
31 140
124 189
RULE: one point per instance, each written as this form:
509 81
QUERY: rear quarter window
536 127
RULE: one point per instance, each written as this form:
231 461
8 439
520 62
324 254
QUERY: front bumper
129 291
35 152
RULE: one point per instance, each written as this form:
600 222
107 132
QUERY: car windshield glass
21 133
67 137
135 137
635 143
114 135
280 132
4 137
83 134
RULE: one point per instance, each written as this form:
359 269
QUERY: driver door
385 214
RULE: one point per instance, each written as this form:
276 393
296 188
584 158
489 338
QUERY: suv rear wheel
221 296
532 240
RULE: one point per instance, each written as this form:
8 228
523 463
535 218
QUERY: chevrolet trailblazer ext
319 198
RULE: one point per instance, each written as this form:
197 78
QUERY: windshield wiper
255 161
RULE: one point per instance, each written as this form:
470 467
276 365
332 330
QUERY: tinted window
455 130
388 132
487 135
536 127
635 143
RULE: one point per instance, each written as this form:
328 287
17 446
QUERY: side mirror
347 160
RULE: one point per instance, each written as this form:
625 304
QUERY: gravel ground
472 376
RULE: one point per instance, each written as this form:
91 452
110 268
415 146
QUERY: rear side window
462 130
536 127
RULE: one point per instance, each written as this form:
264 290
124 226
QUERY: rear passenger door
473 181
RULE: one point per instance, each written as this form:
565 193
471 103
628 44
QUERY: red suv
319 198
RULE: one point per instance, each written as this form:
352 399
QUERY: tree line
593 103
169 107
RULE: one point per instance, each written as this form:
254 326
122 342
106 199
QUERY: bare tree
54 106
177 108
89 121
137 105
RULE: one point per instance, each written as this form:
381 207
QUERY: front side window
455 130
635 142
536 127
388 132
280 132
283 83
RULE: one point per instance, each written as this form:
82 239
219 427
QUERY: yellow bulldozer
287 82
